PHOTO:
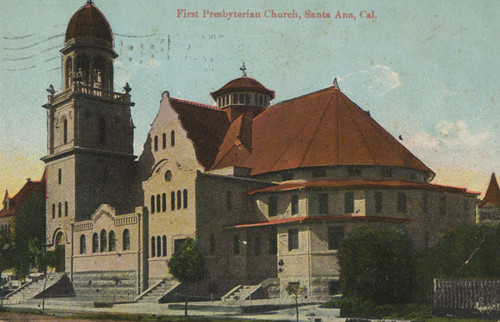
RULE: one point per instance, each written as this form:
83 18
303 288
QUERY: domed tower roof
243 84
90 23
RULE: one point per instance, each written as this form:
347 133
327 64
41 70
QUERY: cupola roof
89 22
243 83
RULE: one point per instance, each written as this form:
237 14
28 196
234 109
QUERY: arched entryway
60 252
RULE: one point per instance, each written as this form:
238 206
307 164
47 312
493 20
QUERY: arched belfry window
102 131
83 67
69 72
112 241
99 79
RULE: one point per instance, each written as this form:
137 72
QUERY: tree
468 250
295 290
6 246
187 266
29 234
377 264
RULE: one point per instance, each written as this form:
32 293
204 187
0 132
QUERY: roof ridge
302 96
211 107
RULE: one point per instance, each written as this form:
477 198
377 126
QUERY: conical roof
323 128
492 195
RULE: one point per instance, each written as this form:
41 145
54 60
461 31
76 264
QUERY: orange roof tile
318 129
492 195
358 183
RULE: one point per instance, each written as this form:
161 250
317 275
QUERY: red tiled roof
243 84
205 125
492 195
89 22
318 129
320 219
358 183
28 189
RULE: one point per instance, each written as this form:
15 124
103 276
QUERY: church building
268 190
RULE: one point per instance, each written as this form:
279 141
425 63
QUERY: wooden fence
466 298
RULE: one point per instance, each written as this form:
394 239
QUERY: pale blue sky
426 70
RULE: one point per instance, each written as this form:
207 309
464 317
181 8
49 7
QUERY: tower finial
90 2
335 83
243 70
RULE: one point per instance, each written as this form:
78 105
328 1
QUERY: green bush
377 264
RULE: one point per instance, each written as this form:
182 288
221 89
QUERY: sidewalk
271 310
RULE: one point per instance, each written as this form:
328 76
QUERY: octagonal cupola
243 94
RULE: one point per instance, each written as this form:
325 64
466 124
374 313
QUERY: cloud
379 79
448 133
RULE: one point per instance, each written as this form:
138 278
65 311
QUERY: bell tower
89 157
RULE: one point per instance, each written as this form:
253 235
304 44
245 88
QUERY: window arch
158 246
102 130
172 200
59 210
152 204
164 245
104 242
65 209
126 239
65 131
164 202
83 244
153 247
179 197
95 243
185 193
156 143
172 138
158 203
164 141
53 210
69 71
112 241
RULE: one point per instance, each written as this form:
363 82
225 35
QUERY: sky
426 70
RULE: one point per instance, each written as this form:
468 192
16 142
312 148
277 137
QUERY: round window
168 175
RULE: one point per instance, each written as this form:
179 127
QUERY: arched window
65 131
158 246
247 98
153 247
235 98
95 243
102 131
164 141
59 211
83 244
158 203
126 239
104 242
179 197
66 209
172 200
152 204
164 202
164 245
53 210
172 138
112 241
69 71
185 192
156 142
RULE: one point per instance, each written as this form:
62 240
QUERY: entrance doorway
60 252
